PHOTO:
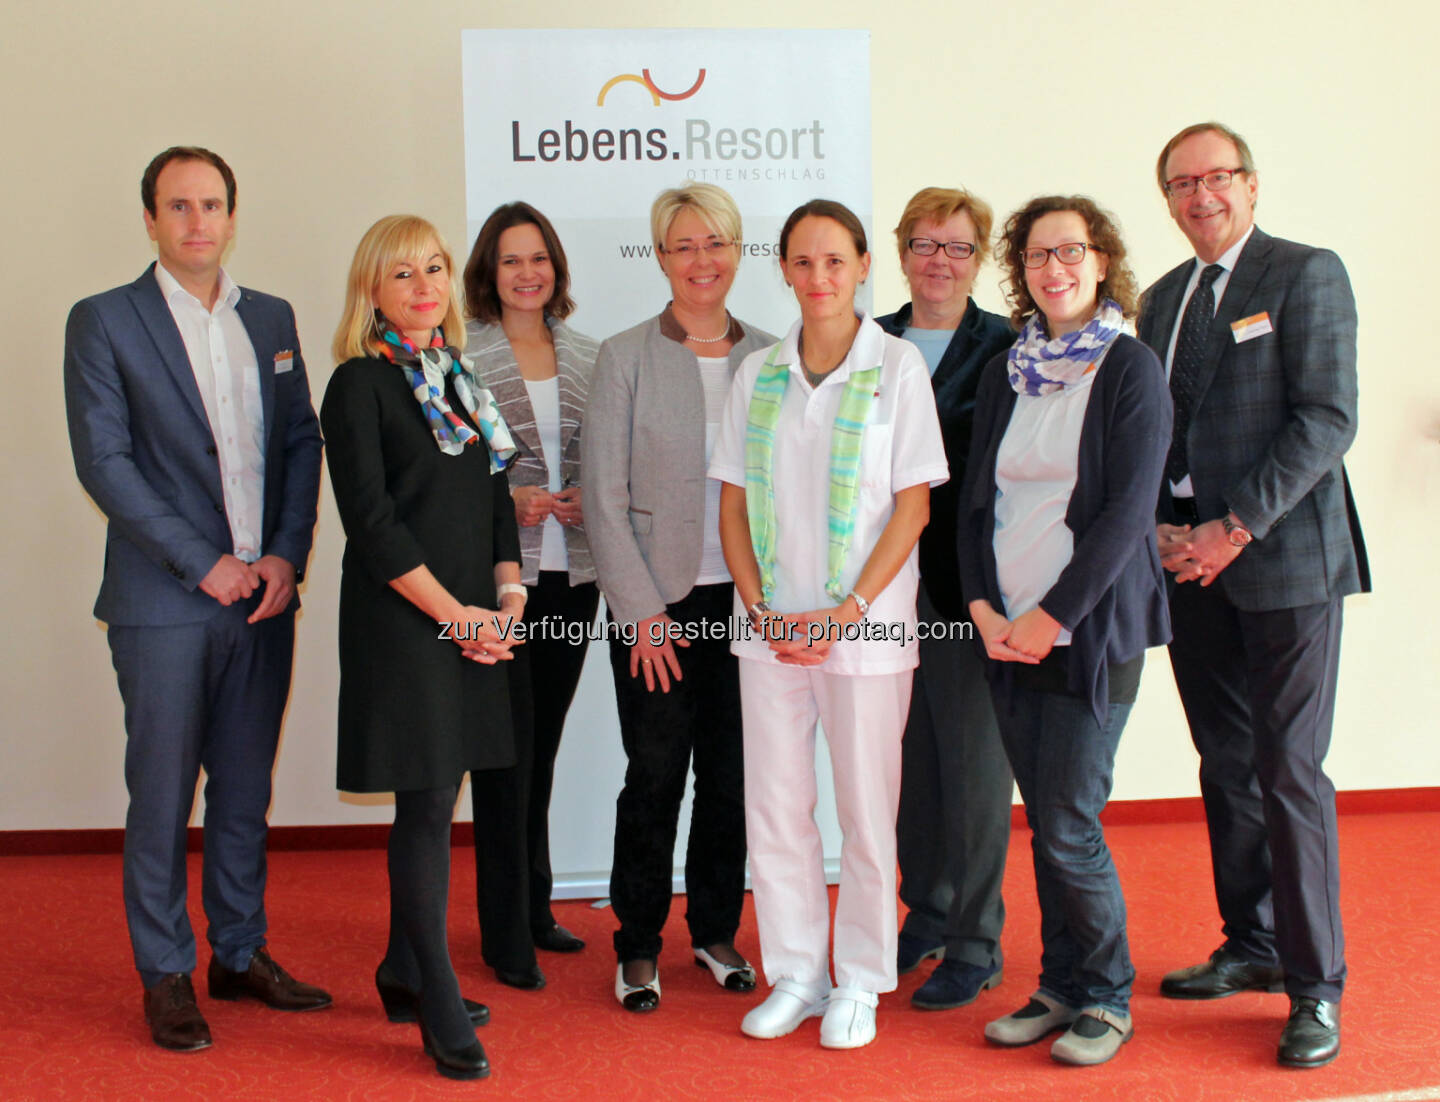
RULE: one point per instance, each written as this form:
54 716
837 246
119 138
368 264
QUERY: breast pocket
876 456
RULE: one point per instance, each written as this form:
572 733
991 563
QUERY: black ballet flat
400 1005
465 1063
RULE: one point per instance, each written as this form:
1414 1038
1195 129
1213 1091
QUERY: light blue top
931 342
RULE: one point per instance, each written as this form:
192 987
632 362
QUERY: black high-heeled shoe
400 1003
465 1063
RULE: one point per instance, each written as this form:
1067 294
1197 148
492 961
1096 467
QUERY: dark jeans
953 830
512 806
1064 763
699 716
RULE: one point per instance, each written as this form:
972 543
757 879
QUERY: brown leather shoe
175 1020
267 981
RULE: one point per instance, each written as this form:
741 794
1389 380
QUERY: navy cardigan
977 338
1112 594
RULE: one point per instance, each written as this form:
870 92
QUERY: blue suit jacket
144 450
1274 416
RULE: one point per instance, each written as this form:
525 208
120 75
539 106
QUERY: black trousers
511 807
699 720
1259 694
953 830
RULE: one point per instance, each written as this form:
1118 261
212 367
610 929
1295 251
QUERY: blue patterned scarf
1039 365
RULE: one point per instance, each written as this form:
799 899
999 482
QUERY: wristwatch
758 611
861 603
1236 532
504 590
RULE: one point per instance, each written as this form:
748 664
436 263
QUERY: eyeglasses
1070 254
712 247
955 250
1182 187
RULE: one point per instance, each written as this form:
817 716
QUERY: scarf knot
1038 365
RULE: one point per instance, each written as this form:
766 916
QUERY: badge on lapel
284 361
1247 329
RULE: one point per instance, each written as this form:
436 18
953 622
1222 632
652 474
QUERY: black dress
414 712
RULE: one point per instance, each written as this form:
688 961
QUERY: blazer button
212 450
218 508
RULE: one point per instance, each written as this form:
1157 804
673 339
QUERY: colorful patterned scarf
845 435
1039 365
425 371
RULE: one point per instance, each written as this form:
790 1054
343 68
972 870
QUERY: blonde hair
713 204
939 205
394 238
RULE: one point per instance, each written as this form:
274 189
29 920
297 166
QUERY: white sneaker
789 1004
850 1019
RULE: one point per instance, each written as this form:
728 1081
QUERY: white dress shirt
226 373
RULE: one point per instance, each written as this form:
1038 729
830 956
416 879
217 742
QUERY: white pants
864 718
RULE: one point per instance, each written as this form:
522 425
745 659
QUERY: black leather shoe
401 1004
175 1021
461 1063
557 939
1223 974
1311 1037
527 979
267 981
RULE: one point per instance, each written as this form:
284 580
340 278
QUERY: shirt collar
1230 256
170 287
866 351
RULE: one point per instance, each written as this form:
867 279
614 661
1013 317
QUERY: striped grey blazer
495 365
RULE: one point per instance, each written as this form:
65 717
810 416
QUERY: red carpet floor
72 1027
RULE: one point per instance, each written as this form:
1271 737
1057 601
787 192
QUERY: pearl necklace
711 340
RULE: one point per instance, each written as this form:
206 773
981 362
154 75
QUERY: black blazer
414 712
1273 419
1112 594
978 337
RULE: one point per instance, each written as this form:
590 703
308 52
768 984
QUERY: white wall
334 114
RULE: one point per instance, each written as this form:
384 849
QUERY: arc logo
646 81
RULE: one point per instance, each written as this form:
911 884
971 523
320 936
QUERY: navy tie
1186 367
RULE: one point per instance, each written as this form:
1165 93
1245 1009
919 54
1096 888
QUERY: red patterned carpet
73 1028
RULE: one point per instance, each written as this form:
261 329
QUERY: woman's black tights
418 953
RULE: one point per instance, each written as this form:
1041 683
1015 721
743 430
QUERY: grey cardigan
487 348
643 461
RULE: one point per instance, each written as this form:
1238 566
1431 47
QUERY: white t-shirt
901 447
1035 471
715 382
545 402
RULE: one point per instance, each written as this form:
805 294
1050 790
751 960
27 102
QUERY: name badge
285 361
1247 329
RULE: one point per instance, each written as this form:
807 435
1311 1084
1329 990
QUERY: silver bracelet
861 603
504 590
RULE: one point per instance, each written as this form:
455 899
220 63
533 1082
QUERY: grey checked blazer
643 460
1273 419
487 348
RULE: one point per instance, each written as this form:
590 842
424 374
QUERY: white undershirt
545 403
715 381
1035 472
227 376
1186 488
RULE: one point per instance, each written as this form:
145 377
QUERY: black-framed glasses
1070 254
689 251
1182 187
955 250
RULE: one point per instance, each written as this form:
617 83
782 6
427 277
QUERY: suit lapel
1162 309
264 361
1249 271
160 324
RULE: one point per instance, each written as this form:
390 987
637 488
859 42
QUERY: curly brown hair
1119 282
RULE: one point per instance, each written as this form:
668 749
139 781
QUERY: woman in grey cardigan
517 295
655 403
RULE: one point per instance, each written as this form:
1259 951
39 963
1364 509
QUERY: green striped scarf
860 390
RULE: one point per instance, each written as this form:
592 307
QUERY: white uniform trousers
864 718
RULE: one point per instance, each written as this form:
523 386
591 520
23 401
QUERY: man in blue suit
192 430
1259 528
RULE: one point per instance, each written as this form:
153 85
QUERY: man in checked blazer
192 429
1258 526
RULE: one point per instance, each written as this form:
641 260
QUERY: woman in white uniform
828 449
